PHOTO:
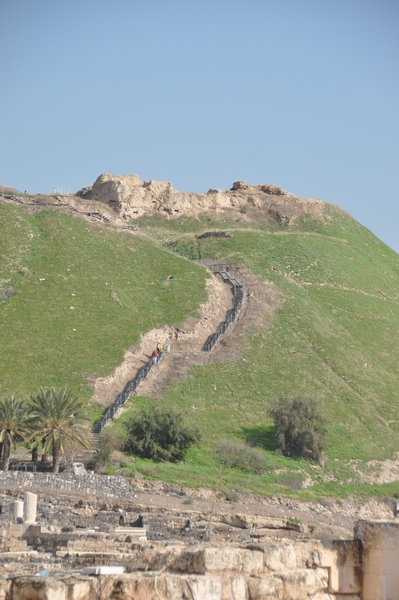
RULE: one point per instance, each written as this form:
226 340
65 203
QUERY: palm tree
13 426
59 421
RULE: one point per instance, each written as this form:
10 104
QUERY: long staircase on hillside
230 275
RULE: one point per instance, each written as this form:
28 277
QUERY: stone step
136 531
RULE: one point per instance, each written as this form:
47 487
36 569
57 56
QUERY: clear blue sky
303 94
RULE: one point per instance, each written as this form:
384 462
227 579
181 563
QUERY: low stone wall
89 486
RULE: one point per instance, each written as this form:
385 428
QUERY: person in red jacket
155 356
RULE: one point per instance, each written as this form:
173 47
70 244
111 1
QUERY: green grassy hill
74 298
334 336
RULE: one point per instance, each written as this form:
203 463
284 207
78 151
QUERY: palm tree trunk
44 454
34 454
6 453
56 458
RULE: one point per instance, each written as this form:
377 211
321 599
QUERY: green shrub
299 428
160 434
240 456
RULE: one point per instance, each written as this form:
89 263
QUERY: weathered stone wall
90 486
276 572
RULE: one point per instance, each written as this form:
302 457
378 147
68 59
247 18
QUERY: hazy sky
303 94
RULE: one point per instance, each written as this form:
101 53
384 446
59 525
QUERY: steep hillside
74 298
333 337
321 319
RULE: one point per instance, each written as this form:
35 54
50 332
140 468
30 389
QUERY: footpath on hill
187 341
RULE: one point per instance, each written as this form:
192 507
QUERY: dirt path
178 236
189 338
187 341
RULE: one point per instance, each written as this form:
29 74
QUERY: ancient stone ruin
132 198
74 537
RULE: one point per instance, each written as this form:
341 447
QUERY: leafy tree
299 428
160 434
59 421
13 426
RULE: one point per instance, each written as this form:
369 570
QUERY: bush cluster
160 434
240 456
299 428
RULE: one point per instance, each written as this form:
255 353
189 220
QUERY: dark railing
231 275
124 396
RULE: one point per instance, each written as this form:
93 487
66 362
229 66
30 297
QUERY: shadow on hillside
261 436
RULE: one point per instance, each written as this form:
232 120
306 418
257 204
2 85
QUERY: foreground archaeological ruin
59 533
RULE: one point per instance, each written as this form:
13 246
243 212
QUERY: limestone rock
38 588
5 587
132 198
220 559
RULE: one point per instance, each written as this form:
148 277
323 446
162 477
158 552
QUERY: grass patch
82 296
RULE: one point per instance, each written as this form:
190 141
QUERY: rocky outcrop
272 190
132 198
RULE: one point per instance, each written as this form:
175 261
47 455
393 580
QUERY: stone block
195 587
308 554
269 587
5 587
30 507
252 561
279 557
235 588
289 585
378 534
103 570
18 510
82 588
300 584
38 588
372 587
343 561
210 559
127 587
33 531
